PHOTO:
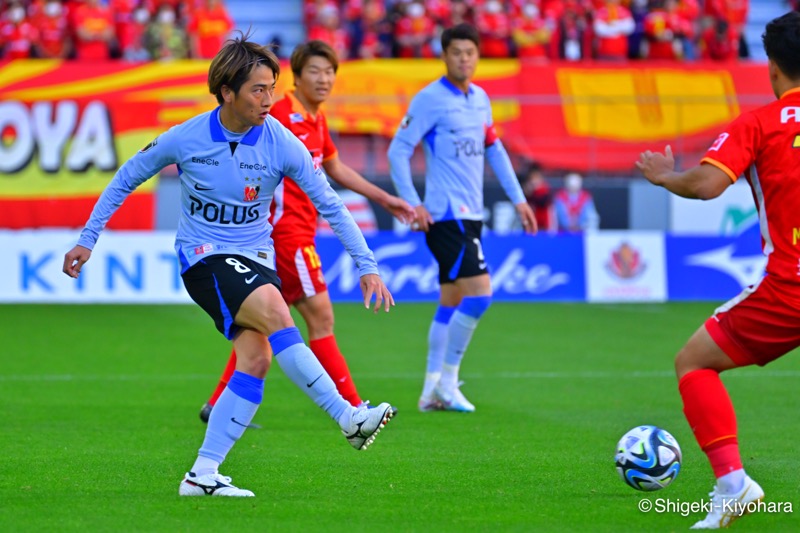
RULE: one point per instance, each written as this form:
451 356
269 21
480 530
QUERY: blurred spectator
441 11
575 210
460 11
689 11
209 27
54 40
124 26
718 42
574 30
327 28
163 38
135 49
612 25
494 27
17 34
93 28
663 29
734 12
414 32
539 197
531 34
636 46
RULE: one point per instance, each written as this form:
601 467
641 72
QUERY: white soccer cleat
429 403
210 485
453 399
725 508
365 424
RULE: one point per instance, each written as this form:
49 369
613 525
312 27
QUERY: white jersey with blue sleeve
457 133
226 190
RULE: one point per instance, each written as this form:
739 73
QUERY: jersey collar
790 92
453 89
298 107
218 136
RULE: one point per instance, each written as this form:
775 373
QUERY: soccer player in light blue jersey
229 162
452 118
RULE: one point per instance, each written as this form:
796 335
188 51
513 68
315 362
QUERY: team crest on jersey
150 145
251 192
295 118
405 122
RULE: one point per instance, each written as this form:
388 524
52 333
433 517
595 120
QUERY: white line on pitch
397 375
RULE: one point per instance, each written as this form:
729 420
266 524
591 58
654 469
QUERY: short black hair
782 43
533 167
463 31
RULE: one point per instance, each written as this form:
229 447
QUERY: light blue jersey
227 188
457 133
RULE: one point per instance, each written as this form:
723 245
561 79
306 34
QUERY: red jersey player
294 217
763 322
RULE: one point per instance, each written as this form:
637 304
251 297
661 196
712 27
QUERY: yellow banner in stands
645 104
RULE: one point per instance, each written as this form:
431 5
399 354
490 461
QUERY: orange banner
66 126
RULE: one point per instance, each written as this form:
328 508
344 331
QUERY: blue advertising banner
713 268
523 268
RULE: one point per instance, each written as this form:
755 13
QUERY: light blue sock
459 334
233 412
301 366
437 344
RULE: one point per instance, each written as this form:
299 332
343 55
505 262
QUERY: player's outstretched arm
75 259
703 182
345 176
372 284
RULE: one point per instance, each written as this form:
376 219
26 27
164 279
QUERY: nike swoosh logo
233 419
249 281
201 188
309 385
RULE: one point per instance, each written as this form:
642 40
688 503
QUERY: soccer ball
648 458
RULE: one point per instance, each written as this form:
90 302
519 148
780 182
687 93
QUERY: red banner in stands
66 126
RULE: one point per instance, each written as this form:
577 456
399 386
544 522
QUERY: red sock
332 360
710 414
224 379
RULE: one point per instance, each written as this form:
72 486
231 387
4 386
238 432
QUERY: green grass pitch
99 422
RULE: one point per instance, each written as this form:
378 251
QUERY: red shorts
760 325
299 269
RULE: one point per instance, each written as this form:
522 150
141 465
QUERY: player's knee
321 325
685 362
475 306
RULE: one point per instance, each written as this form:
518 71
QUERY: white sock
459 335
204 465
431 380
299 364
449 376
732 482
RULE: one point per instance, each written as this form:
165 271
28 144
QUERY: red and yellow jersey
293 215
764 145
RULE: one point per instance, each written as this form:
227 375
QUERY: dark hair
782 43
233 64
463 31
533 167
303 52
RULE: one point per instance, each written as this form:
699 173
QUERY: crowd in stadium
569 30
97 30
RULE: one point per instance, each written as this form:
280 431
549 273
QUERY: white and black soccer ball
648 458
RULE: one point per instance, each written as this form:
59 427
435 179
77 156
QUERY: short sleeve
734 150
